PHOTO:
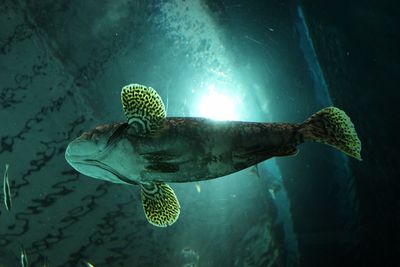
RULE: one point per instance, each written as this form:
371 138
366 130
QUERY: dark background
358 48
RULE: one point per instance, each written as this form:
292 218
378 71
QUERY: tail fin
333 127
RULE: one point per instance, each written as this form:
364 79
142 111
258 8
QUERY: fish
6 190
88 264
198 187
46 262
151 150
24 258
272 192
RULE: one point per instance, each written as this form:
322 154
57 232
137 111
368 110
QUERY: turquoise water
63 65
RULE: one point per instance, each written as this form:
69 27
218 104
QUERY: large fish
150 149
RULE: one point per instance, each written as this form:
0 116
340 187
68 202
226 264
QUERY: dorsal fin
143 108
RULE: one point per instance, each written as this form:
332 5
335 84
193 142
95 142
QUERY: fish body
151 150
185 150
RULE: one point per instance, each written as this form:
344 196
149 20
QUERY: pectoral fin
160 204
143 108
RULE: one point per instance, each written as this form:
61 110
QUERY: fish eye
86 136
95 137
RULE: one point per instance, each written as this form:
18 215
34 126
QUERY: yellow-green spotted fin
143 108
160 204
333 127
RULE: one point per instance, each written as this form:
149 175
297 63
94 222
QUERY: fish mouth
105 167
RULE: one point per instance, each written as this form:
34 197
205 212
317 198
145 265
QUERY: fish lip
72 159
94 162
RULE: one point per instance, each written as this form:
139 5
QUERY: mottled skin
182 150
151 150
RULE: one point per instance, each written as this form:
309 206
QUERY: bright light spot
217 106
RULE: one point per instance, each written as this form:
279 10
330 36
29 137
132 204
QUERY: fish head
86 153
90 144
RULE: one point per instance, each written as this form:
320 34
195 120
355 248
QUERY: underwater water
63 64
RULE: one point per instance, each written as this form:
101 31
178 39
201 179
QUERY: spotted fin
333 127
160 204
143 108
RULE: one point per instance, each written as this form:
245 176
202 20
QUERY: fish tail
333 127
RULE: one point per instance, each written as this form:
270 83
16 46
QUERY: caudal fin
333 127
